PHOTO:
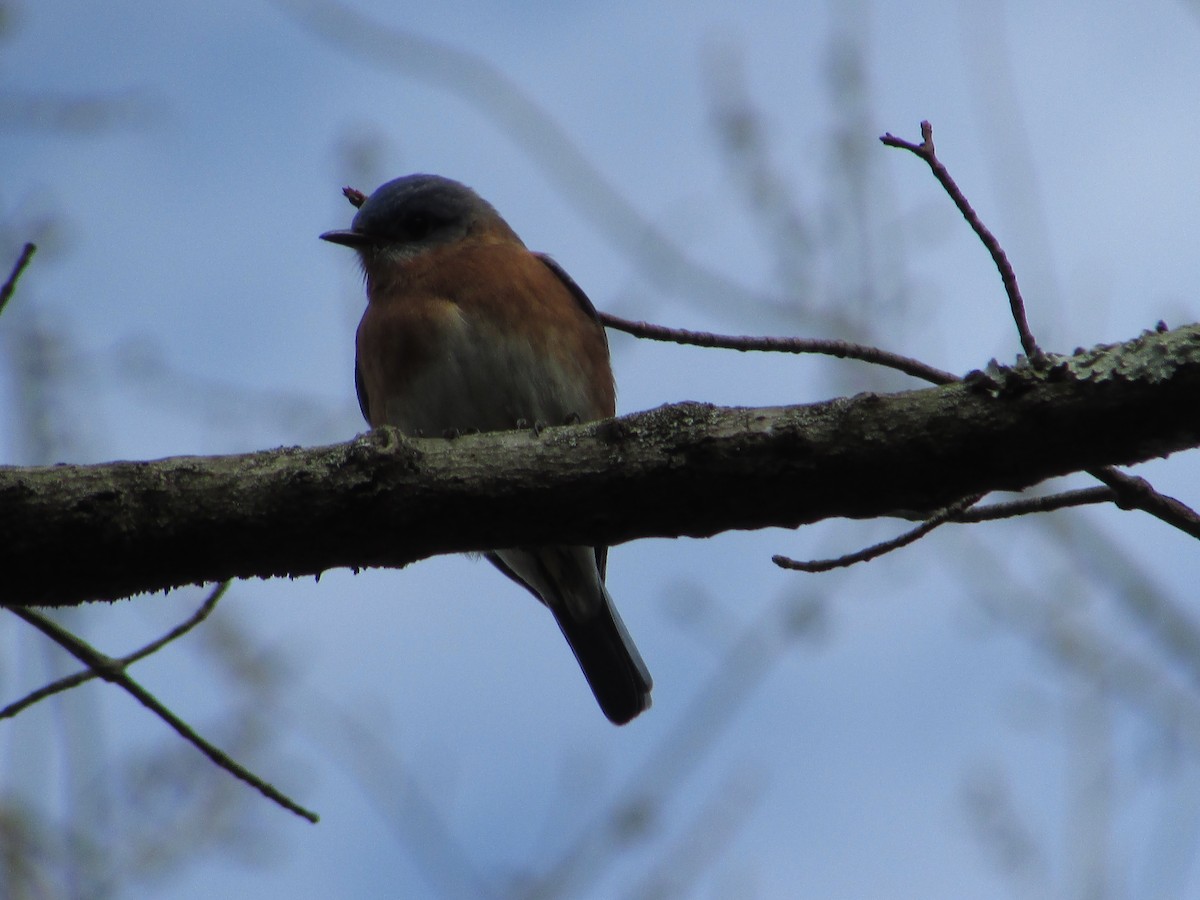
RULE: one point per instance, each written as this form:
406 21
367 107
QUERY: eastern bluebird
466 329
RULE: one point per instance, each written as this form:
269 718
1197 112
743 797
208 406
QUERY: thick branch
70 534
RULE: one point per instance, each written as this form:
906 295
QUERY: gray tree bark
71 534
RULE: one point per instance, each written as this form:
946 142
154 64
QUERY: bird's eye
419 226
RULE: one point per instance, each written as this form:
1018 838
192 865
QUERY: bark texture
70 534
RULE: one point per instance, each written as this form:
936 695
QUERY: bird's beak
354 239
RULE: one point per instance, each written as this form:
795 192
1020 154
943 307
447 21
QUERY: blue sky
198 313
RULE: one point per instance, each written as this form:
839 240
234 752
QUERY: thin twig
1130 492
112 670
840 349
1010 509
925 150
6 291
182 628
1133 492
867 553
70 681
55 687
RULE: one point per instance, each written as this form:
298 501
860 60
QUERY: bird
467 330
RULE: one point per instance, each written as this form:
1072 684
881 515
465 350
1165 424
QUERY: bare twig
1133 492
1025 506
1130 492
113 670
925 150
840 349
10 285
867 553
70 681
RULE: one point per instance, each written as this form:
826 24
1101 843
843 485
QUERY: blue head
416 213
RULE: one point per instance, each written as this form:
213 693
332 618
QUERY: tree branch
10 283
73 534
1136 493
1132 493
925 150
941 517
745 343
113 670
1011 509
124 662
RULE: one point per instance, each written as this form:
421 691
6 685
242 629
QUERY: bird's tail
609 659
570 582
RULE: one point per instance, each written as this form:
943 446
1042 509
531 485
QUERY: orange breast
480 335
